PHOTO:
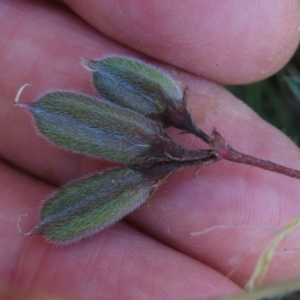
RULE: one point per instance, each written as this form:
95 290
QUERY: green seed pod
139 86
91 204
132 83
100 128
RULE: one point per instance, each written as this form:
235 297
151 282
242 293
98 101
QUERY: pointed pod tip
20 92
31 232
87 64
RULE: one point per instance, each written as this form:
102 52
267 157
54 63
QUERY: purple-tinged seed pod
91 204
99 128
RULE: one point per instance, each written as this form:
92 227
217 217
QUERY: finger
231 42
120 261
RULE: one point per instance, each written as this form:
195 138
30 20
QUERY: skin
152 254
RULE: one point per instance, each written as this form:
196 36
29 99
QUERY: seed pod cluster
125 125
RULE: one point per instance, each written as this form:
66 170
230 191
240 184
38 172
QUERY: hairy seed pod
132 83
91 204
141 87
102 129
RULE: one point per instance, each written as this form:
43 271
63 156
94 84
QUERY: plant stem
224 151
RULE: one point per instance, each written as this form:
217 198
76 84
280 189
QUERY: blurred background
277 99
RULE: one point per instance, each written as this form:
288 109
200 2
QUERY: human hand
152 254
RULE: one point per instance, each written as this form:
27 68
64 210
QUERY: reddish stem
224 151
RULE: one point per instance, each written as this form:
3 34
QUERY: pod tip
20 92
